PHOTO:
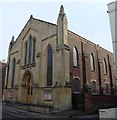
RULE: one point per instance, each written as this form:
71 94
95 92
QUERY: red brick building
94 64
92 76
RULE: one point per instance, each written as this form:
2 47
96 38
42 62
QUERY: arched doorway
27 87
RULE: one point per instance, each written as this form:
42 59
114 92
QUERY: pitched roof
69 31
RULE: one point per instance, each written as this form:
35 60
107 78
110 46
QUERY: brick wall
96 102
99 54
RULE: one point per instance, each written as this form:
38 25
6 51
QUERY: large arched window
76 85
26 50
75 57
13 72
92 65
34 48
93 87
49 66
104 66
30 50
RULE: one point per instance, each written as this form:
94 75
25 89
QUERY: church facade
49 65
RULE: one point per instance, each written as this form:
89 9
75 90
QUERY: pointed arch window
92 65
75 57
13 72
34 48
104 67
93 87
26 51
49 66
30 50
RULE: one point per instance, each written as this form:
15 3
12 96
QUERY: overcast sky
87 18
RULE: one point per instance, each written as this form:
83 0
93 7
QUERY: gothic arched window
75 57
34 48
92 65
30 50
49 66
26 50
104 67
13 72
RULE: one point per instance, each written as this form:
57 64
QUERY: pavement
65 115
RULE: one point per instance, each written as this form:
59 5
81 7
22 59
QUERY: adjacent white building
112 10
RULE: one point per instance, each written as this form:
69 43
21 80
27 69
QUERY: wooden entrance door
29 89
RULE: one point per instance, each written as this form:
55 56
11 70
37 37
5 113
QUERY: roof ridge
44 21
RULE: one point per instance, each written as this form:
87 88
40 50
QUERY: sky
87 18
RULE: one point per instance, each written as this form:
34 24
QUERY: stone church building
53 67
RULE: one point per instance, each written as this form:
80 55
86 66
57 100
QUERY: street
6 114
11 112
14 113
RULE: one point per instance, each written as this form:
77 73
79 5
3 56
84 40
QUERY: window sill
105 74
76 66
76 92
47 87
10 88
106 94
94 93
28 65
